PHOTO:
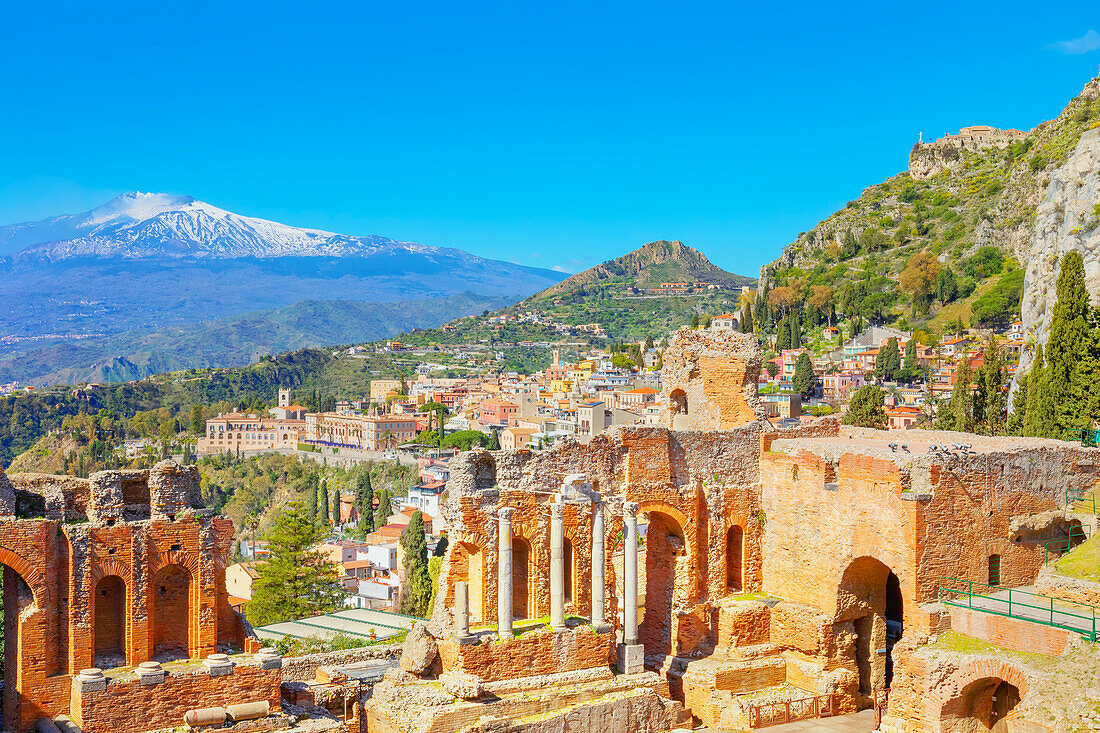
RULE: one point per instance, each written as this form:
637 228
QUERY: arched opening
870 598
171 617
18 598
735 543
665 549
678 404
521 563
981 705
567 573
109 622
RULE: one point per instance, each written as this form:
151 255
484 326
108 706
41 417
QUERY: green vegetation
956 642
866 408
296 581
1082 562
417 593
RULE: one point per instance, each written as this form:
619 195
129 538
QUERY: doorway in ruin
171 617
521 578
109 622
735 550
18 602
870 598
665 549
468 564
982 705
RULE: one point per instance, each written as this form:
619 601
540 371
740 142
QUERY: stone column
631 653
462 613
504 572
630 572
599 563
557 564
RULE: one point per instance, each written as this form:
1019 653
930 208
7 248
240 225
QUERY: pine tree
322 504
805 382
417 593
1068 345
866 408
1039 415
297 581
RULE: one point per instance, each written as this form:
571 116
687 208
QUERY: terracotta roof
642 390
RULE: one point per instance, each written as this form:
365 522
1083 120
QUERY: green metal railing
1086 436
1081 498
1023 605
1077 536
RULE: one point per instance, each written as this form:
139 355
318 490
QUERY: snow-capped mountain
156 225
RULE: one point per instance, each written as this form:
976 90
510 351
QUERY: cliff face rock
1067 219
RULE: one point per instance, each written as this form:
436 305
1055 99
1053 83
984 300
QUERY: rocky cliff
1067 219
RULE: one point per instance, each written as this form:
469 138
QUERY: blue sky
550 134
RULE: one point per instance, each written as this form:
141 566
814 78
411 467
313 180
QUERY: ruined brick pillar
504 572
172 489
7 496
105 500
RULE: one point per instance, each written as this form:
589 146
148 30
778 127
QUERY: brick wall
534 653
130 706
1011 633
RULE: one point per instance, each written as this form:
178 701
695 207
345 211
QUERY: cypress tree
1085 385
1019 407
909 366
382 513
1067 345
805 383
296 581
783 337
796 330
1039 415
888 361
959 414
417 593
992 402
336 506
322 503
364 502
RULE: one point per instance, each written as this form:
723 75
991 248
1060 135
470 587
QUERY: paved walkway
1030 607
863 722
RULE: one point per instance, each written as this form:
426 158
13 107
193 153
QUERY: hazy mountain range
87 289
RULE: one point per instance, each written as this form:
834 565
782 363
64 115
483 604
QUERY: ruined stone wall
93 550
534 653
709 380
129 705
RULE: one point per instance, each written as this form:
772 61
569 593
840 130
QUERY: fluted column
599 562
557 564
630 571
504 572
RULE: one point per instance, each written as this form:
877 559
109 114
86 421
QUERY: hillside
969 204
646 268
234 341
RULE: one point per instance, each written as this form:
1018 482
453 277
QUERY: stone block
218 665
150 673
90 680
631 658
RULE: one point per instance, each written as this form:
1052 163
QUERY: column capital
557 509
630 509
505 513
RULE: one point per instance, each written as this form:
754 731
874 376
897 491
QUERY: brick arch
31 576
995 669
668 578
858 578
537 558
110 566
185 560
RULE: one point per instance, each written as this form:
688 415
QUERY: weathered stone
420 649
462 685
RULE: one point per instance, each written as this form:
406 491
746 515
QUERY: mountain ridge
649 266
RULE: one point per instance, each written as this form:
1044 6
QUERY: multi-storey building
358 432
244 432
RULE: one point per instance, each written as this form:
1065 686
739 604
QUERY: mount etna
135 287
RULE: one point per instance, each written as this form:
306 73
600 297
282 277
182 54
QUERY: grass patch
1082 562
955 642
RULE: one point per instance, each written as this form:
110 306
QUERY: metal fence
764 714
1058 547
1079 618
1082 499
